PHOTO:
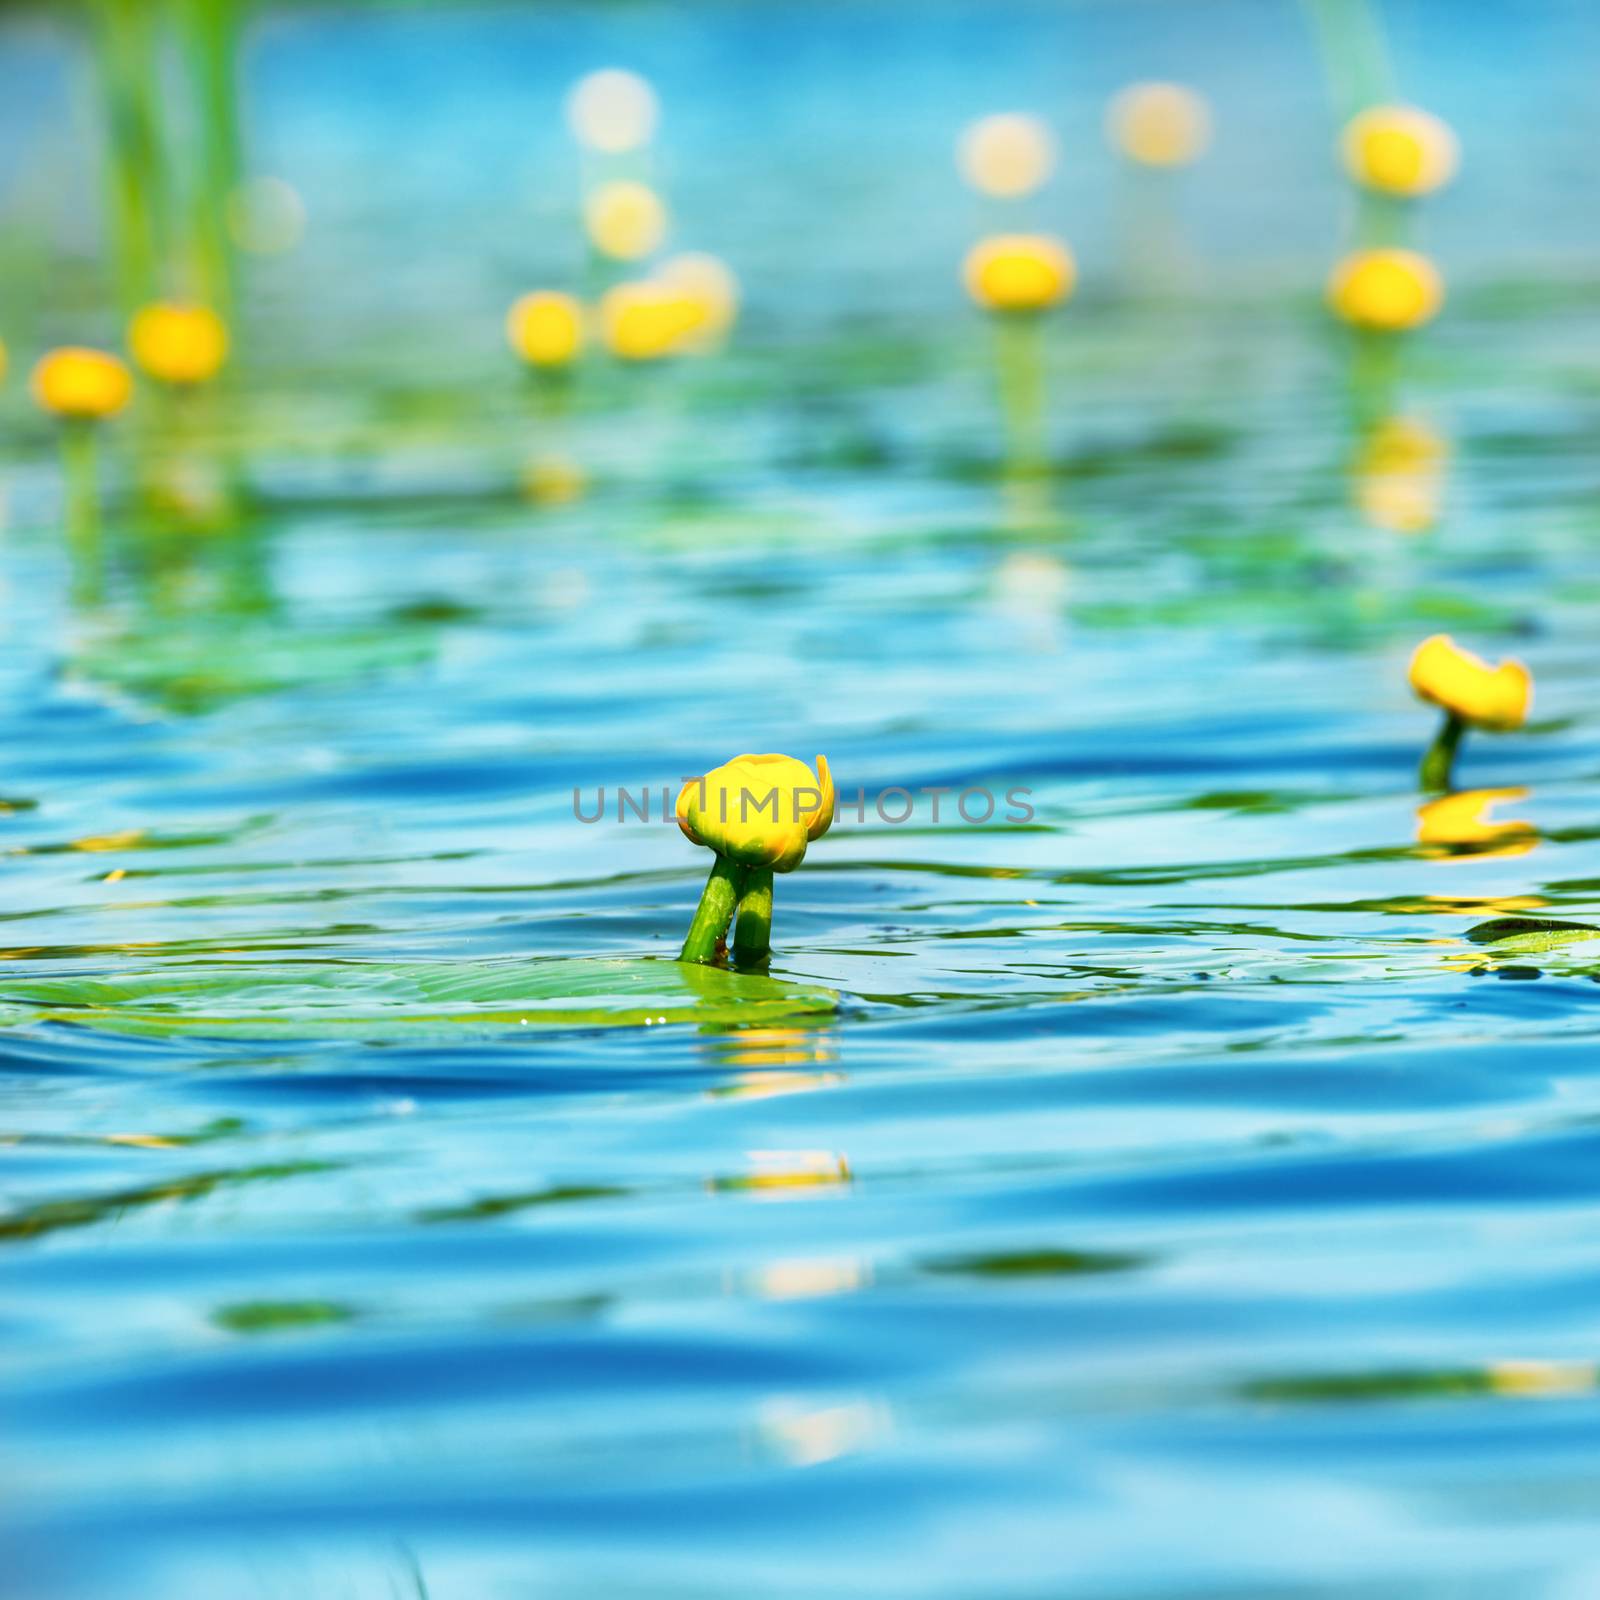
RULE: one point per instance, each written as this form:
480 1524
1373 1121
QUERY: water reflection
1399 474
1459 824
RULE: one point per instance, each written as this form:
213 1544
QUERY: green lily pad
1530 935
308 1000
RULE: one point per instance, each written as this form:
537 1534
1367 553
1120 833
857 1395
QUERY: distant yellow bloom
1007 155
1468 687
710 290
1543 1379
625 219
554 481
546 328
1399 475
645 321
1463 819
612 110
5 360
760 811
80 383
178 344
1386 291
1019 272
1399 150
1159 124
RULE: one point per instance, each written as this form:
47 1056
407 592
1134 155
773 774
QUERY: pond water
1188 1190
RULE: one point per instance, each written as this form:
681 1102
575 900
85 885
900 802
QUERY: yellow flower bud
1399 150
645 321
760 811
1468 687
1019 272
1386 291
1006 155
179 344
625 219
1159 124
80 383
546 328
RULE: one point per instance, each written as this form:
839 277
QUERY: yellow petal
1465 684
758 810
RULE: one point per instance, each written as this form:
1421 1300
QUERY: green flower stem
752 935
1374 375
1355 53
1440 760
80 472
1019 361
715 911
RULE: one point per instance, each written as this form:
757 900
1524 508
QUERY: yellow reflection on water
805 1437
1399 475
778 1172
1459 824
1543 1379
808 1279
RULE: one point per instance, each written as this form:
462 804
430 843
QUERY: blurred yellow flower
81 383
760 811
1159 124
1386 290
625 219
178 344
1399 475
554 481
1019 272
1468 687
1399 150
645 321
1007 154
5 360
612 110
709 289
545 328
1463 819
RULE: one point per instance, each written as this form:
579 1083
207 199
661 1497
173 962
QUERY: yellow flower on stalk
645 321
1386 291
178 344
1159 124
1468 688
625 219
545 328
1019 272
710 291
1454 821
81 384
759 811
1399 150
1006 155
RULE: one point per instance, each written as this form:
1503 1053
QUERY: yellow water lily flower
1019 272
81 384
1386 291
645 321
710 293
1399 150
1159 124
1454 821
1006 155
177 343
760 811
1467 687
625 219
545 328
